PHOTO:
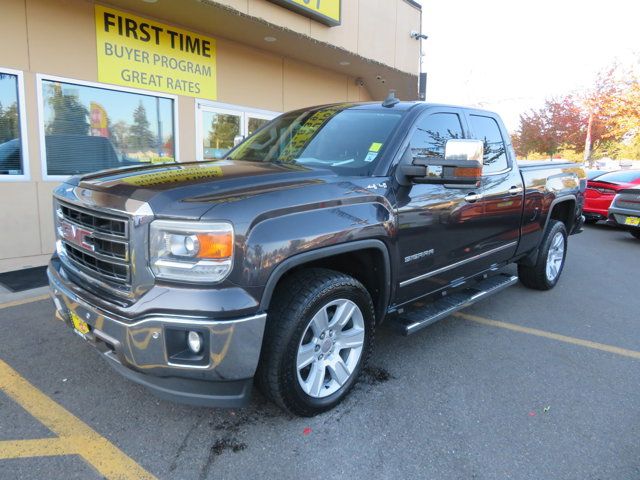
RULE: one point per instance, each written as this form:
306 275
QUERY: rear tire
635 233
317 340
544 275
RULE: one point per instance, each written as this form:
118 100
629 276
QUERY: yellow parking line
23 301
80 439
553 336
39 447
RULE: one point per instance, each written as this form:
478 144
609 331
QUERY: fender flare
531 258
326 252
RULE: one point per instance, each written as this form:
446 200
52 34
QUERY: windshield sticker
375 147
306 132
371 156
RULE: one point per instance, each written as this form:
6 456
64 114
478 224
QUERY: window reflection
487 130
432 134
10 141
91 128
220 130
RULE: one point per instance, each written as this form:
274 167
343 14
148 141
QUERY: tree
120 135
613 110
559 124
9 122
140 135
70 117
223 130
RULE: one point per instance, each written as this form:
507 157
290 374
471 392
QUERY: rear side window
487 130
432 134
624 176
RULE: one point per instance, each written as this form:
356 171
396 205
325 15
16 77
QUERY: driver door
439 232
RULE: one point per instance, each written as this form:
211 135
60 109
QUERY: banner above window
141 53
328 12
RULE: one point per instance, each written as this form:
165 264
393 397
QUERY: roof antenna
391 99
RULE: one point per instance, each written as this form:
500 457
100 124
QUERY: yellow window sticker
375 147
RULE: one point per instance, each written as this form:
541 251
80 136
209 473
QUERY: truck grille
95 243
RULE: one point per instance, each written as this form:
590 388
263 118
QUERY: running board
416 319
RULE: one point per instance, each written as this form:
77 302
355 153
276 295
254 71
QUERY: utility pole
587 142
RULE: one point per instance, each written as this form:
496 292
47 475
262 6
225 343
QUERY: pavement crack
183 445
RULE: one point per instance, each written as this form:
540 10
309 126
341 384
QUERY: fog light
194 339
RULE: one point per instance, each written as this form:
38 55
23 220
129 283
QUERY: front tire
544 275
318 337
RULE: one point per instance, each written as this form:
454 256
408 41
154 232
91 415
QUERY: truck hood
189 190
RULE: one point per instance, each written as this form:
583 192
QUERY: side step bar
416 319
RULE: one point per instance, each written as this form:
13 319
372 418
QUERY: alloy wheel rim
555 257
330 348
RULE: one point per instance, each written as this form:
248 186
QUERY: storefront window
90 128
255 124
11 162
219 131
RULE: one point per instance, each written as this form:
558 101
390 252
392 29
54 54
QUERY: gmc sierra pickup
277 262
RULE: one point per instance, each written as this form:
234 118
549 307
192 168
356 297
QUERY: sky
508 56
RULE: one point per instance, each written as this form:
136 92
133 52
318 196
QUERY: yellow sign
140 53
328 12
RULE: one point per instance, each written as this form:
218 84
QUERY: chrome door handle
472 197
515 190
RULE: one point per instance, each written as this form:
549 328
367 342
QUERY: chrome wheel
555 257
330 348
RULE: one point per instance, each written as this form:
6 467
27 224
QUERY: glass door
218 127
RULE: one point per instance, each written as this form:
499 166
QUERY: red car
602 189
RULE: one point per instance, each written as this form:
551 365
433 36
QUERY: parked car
591 174
602 189
79 154
625 211
279 261
10 157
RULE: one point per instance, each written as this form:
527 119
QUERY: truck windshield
346 140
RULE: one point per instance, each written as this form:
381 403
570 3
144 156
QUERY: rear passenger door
502 189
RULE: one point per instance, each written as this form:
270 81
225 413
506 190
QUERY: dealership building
86 86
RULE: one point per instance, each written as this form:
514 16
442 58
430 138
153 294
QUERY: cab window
487 130
432 133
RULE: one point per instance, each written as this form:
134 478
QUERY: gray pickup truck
277 262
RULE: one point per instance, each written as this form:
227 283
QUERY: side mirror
461 165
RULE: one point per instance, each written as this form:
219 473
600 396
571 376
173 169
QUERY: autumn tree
560 123
612 108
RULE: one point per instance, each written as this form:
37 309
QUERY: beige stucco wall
246 76
375 29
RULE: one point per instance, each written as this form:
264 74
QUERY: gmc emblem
76 235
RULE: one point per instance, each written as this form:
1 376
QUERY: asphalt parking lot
526 385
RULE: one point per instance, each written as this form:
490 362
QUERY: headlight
191 251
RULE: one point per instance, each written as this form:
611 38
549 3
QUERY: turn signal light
467 172
215 245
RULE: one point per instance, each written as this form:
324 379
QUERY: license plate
634 221
79 325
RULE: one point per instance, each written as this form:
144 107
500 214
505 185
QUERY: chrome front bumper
137 348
